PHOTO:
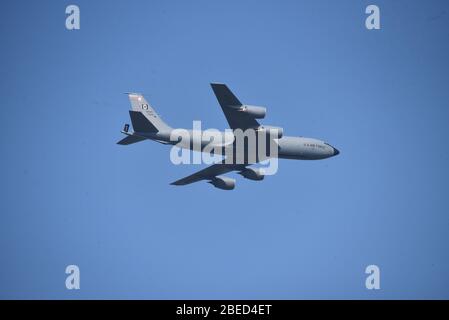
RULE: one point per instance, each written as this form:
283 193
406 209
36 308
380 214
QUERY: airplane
148 125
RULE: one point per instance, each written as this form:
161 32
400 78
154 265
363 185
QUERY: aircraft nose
336 152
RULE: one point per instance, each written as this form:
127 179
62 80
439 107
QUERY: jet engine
276 132
255 174
224 183
254 111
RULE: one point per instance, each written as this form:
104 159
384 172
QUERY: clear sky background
70 195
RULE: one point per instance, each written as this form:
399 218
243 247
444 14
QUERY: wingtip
217 84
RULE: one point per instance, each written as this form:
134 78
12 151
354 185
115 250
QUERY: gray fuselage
298 148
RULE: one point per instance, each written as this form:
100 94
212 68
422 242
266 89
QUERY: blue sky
70 195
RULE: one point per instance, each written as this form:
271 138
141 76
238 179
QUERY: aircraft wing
230 105
209 173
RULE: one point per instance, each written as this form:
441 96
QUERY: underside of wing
130 139
235 112
209 173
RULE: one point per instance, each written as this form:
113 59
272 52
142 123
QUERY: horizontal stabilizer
141 123
130 140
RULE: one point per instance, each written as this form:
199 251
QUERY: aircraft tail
144 120
143 117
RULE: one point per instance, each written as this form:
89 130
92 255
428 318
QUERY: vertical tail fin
143 117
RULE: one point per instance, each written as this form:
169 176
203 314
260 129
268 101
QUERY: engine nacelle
224 183
254 111
276 132
255 174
